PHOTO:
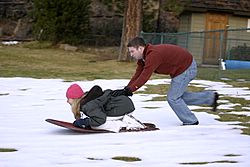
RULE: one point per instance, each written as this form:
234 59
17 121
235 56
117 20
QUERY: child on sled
98 109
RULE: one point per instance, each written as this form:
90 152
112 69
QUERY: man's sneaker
215 104
196 123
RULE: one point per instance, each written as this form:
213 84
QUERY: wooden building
210 15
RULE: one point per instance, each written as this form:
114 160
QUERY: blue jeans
178 98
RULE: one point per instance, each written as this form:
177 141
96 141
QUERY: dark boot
196 123
215 104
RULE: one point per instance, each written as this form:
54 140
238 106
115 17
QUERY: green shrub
61 20
240 53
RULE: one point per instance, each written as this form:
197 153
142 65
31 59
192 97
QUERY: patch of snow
28 102
10 42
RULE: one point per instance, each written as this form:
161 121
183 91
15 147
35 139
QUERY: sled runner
68 125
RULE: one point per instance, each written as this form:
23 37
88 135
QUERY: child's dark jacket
106 106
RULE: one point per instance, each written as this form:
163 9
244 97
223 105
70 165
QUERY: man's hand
120 92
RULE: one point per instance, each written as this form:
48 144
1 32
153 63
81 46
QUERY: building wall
185 21
236 22
198 22
194 42
241 37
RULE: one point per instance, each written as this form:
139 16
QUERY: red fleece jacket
162 59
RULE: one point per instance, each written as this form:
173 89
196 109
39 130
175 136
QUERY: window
248 25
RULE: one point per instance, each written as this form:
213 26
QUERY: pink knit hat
74 92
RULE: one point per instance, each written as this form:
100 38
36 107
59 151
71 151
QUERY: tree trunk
158 29
131 26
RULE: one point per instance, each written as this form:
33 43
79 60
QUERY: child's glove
81 123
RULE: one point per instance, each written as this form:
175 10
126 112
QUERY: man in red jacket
174 61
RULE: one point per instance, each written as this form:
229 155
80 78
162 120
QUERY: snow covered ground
26 103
